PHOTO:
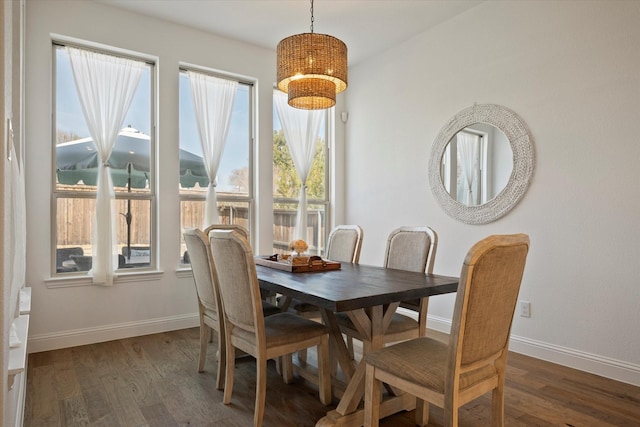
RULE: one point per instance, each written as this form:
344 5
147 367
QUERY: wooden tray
314 265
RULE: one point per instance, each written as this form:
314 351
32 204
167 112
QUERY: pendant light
312 69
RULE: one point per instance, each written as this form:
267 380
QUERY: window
463 166
75 174
234 178
286 189
467 164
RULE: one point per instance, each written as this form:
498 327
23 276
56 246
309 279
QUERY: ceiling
368 27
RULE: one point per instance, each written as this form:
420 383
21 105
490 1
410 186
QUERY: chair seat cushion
209 313
303 307
398 324
284 328
423 361
413 304
297 306
269 309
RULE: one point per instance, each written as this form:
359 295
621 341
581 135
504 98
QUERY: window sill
74 281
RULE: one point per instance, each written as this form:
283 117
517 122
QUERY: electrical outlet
525 309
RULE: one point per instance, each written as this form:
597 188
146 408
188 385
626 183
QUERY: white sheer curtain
106 85
468 152
213 103
301 129
17 230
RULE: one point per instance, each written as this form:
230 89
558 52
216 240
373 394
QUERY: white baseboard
593 363
599 365
76 337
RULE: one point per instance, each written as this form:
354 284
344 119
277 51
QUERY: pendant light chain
312 16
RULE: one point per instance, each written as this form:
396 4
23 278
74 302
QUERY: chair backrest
64 254
411 249
235 227
83 262
237 282
202 268
486 300
137 251
344 243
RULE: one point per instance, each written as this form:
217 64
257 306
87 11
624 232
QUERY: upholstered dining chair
208 299
267 308
473 362
246 329
409 249
343 245
205 278
406 239
64 254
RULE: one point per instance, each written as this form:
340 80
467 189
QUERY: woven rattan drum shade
312 69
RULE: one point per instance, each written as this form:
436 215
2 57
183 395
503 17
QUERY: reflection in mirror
476 164
492 146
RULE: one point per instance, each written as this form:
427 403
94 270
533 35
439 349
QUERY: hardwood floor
153 381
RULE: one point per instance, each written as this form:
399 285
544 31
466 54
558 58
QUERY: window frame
58 194
249 199
326 202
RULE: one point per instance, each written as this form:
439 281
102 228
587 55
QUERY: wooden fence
75 222
75 226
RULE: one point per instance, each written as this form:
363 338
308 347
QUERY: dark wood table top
354 286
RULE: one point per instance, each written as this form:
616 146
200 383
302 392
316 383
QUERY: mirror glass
481 163
476 164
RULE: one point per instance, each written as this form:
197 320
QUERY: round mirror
481 163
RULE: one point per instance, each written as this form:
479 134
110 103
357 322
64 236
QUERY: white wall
570 70
76 315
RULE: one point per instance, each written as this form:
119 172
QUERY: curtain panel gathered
213 99
301 128
106 85
468 151
18 230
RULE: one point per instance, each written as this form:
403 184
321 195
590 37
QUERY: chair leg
228 379
261 390
279 365
422 316
324 371
422 412
204 335
286 302
287 368
450 415
334 367
371 398
497 405
222 361
302 355
350 348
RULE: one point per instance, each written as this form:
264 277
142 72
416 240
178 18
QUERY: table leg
347 412
338 346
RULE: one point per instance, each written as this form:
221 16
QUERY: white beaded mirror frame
523 160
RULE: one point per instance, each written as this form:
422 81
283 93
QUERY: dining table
370 295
